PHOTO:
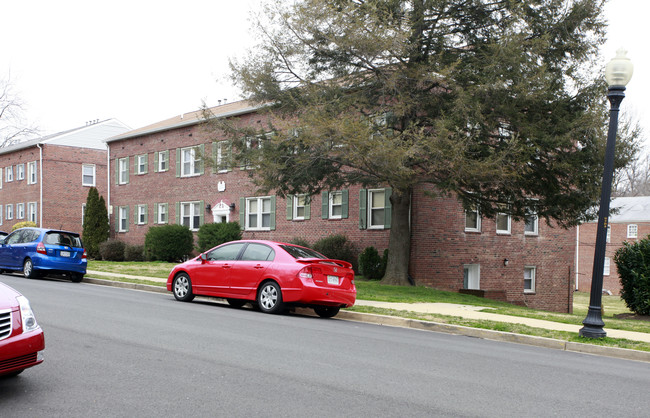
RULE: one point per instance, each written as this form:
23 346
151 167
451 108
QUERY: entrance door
472 276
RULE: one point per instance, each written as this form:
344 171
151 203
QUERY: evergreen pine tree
95 224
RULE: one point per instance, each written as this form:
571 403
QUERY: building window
9 174
606 266
531 224
161 213
472 220
20 211
123 219
258 213
190 162
190 215
472 276
529 279
1 212
141 162
20 171
376 208
632 231
10 212
298 207
88 175
503 223
223 156
609 234
123 170
334 205
31 173
31 212
141 214
251 143
161 161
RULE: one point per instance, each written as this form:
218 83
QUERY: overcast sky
142 61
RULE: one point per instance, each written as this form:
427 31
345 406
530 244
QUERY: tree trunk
399 242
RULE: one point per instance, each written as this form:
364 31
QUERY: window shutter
242 213
228 163
202 161
166 206
363 197
325 205
202 212
135 214
178 162
178 213
155 213
146 214
215 148
146 163
344 204
388 208
289 207
308 208
155 161
117 219
272 221
127 219
128 169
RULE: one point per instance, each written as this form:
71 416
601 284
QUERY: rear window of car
62 238
301 252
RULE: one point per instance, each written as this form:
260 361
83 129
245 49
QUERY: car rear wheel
326 311
76 277
236 303
269 298
28 269
182 288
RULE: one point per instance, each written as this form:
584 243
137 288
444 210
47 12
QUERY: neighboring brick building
631 223
46 180
158 177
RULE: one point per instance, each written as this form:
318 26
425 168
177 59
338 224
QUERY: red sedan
21 339
271 275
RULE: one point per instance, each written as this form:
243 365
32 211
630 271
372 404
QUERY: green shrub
300 241
134 253
633 265
211 235
370 264
112 250
171 243
95 223
24 224
337 247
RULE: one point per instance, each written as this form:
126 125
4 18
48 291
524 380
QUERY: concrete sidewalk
450 309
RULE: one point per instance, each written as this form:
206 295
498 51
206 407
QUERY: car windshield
301 252
62 238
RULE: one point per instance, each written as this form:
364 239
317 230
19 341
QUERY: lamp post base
593 324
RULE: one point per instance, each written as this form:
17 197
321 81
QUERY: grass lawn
157 269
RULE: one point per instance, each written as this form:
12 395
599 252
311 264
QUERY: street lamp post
617 73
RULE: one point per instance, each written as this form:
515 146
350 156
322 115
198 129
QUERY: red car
271 275
21 339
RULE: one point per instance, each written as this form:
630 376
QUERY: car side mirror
204 258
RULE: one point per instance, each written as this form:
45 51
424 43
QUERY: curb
620 353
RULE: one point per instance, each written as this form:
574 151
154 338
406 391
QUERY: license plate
65 253
332 280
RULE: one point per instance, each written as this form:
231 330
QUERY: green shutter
344 204
127 219
155 212
178 213
215 147
325 205
363 197
128 169
202 212
155 161
117 219
135 214
272 221
388 208
146 163
242 213
202 161
146 214
178 162
228 157
308 208
166 205
166 160
289 207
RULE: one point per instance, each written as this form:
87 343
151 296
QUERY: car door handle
226 266
259 266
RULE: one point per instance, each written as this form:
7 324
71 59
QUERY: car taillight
306 273
85 254
40 248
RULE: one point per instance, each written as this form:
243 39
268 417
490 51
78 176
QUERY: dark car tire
236 303
76 277
28 269
326 311
269 298
12 374
182 288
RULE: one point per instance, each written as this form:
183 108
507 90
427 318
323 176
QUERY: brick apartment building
46 180
631 223
158 176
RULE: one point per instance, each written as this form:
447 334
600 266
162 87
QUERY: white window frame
163 216
123 170
10 211
609 234
32 211
250 142
476 227
223 156
372 209
20 211
506 231
473 276
194 215
534 224
141 164
1 212
607 266
190 161
9 174
122 218
32 172
93 169
20 171
531 277
141 214
259 213
632 231
163 161
332 205
299 202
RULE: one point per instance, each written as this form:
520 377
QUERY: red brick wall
587 240
17 191
441 247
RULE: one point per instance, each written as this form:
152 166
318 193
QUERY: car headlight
27 315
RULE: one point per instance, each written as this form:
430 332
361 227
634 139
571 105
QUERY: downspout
577 255
108 184
40 185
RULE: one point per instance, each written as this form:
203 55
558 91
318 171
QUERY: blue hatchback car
39 251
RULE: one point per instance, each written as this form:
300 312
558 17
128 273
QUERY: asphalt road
119 352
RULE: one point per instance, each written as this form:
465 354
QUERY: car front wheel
269 298
182 288
326 311
28 269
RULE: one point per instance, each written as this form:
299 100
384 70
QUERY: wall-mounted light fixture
232 206
506 262
208 207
